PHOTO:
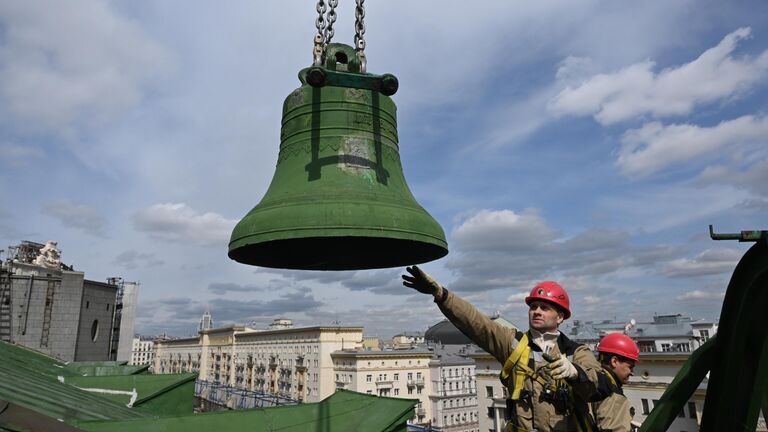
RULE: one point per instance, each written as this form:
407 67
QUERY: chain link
317 51
330 19
359 32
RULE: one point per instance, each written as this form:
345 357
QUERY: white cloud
497 249
132 259
637 90
79 66
180 223
751 176
502 230
80 216
517 297
708 262
653 147
700 295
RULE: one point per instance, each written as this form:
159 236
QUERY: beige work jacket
611 409
531 411
612 414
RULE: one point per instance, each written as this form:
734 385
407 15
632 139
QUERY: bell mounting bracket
342 69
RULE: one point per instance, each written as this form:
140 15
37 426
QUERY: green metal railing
736 359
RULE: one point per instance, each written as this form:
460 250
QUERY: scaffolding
225 396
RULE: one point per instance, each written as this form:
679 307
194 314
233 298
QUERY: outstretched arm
488 335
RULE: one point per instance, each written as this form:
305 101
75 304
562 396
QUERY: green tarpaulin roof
35 381
41 393
344 411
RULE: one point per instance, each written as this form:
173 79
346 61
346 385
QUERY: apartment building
291 362
393 373
665 344
142 351
453 391
491 394
182 355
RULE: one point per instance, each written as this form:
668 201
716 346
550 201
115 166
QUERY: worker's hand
422 282
562 368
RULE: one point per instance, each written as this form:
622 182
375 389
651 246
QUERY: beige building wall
177 356
142 352
491 395
453 395
653 374
292 362
400 374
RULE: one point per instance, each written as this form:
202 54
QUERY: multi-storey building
407 339
47 306
665 333
143 351
491 394
182 355
453 392
665 344
291 362
392 373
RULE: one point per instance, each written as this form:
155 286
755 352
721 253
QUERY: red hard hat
619 344
551 292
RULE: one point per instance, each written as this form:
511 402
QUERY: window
397 377
665 347
418 375
646 411
410 376
490 412
87 304
704 335
397 392
692 410
370 392
410 390
368 378
95 330
489 391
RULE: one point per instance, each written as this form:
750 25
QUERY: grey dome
446 333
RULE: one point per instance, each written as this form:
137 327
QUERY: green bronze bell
338 199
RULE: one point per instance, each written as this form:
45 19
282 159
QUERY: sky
590 142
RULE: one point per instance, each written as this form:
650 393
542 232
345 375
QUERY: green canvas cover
36 382
162 395
344 411
105 368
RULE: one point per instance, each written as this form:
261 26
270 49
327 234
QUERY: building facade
57 311
491 394
665 344
142 351
453 392
391 373
291 362
407 339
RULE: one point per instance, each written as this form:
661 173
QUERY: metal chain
317 51
359 32
330 18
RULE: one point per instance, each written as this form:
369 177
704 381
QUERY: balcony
421 412
384 383
418 382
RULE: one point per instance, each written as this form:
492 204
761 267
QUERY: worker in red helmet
618 355
549 378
